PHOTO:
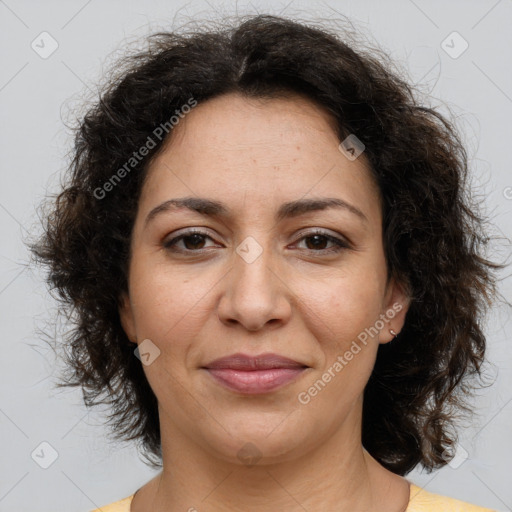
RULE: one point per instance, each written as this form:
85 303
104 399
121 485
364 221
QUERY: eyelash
340 245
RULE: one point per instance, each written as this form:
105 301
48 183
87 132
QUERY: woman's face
259 280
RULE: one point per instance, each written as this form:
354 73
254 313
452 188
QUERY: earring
391 331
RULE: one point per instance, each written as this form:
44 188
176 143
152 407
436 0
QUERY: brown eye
192 240
318 240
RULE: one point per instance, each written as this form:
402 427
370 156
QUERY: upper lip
260 362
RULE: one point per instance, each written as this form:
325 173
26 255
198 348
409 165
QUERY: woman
275 271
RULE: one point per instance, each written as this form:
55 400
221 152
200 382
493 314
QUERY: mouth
254 374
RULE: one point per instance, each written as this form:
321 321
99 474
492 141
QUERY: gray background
37 95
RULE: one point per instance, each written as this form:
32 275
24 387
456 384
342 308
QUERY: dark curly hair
433 230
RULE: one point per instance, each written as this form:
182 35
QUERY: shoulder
424 501
118 506
420 501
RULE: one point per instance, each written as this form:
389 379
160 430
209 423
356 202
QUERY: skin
296 299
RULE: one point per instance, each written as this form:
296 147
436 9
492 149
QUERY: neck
338 474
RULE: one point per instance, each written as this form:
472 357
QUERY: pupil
197 239
316 237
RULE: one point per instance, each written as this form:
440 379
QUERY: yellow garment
420 500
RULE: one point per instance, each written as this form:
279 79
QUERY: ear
395 306
127 318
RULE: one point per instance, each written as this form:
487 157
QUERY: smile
254 381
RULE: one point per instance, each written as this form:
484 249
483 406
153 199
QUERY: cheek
169 310
342 307
341 314
166 303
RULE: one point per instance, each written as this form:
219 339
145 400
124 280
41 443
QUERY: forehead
240 149
263 126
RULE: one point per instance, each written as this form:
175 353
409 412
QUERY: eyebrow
212 208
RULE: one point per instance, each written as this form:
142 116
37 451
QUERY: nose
255 294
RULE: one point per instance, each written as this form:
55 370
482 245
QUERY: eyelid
340 242
322 231
180 234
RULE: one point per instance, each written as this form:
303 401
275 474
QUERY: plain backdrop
41 83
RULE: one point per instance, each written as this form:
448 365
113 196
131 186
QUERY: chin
261 443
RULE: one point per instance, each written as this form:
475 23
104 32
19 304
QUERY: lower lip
254 381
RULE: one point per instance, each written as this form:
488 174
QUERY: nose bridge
253 295
253 260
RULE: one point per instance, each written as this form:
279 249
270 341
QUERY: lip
254 374
246 362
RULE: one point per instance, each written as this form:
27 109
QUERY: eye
192 239
319 238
